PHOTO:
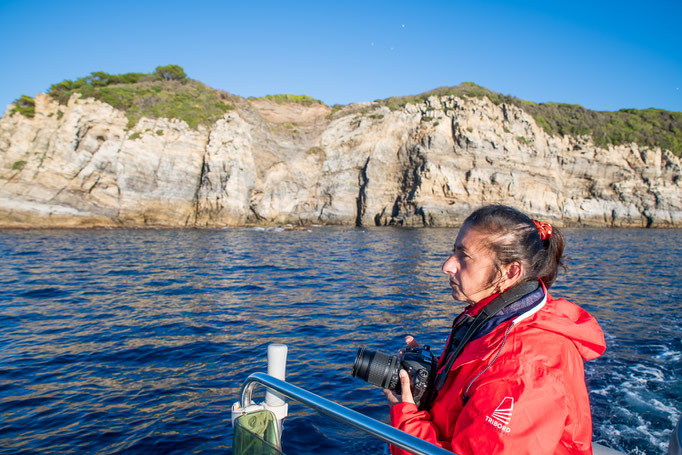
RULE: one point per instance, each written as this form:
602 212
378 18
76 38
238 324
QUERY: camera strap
487 312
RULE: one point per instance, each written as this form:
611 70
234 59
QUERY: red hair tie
544 229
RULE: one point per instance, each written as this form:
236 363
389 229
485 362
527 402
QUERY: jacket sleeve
408 418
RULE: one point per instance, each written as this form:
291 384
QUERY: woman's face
471 269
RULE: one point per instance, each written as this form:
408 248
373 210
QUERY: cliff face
268 163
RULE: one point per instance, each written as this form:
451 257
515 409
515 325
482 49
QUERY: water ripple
137 341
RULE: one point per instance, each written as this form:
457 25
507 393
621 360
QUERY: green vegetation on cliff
165 93
648 127
169 93
287 98
25 105
465 89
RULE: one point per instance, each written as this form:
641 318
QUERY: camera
383 370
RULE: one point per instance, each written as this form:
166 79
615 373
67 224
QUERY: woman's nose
450 265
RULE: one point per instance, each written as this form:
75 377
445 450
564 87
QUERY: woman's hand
406 397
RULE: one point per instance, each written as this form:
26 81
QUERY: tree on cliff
171 73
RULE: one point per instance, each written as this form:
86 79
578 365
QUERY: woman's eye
460 255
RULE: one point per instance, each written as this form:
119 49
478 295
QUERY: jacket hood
569 320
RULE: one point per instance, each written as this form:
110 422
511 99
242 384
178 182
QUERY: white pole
277 368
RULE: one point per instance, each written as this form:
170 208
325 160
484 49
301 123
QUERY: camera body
384 371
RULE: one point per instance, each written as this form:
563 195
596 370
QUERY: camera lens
377 368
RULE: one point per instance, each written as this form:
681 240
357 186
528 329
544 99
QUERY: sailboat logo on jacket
504 410
502 415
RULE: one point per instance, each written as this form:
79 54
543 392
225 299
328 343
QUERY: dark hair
512 237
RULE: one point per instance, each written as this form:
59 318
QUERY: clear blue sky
603 55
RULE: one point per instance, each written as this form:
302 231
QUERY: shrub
316 151
465 89
335 108
166 93
25 105
301 99
18 165
648 127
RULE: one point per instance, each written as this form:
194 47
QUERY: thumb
406 391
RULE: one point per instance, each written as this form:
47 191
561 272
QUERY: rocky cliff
270 163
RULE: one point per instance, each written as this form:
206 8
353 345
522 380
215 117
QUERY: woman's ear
510 275
514 272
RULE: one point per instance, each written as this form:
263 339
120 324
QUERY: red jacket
532 397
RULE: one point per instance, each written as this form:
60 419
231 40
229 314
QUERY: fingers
405 386
406 396
392 398
411 342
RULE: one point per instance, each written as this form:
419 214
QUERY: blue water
137 341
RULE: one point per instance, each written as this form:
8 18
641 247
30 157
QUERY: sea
138 341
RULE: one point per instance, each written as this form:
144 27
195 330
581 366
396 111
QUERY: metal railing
360 421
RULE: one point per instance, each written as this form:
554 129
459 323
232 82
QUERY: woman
510 379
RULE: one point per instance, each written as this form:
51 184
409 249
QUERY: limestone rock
268 163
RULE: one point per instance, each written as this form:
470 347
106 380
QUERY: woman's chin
457 296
